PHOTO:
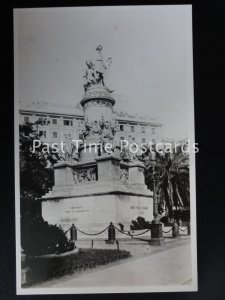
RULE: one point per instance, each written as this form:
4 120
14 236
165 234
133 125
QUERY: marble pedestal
111 192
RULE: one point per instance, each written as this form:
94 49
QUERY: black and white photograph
105 150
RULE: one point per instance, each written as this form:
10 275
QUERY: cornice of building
76 111
51 108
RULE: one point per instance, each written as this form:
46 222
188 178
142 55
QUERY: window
153 130
54 121
26 119
54 134
67 122
143 140
42 133
133 139
143 129
121 127
67 135
132 128
153 141
121 138
42 121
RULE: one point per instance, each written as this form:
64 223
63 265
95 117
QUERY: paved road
170 267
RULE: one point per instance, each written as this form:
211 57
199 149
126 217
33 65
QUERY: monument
92 186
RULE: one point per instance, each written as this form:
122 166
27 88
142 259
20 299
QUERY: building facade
57 122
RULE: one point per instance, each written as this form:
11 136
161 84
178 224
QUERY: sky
151 50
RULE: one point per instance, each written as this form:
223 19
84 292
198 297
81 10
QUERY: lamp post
156 226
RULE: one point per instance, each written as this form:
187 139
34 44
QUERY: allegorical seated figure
96 128
107 132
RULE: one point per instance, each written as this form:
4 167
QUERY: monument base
93 194
94 213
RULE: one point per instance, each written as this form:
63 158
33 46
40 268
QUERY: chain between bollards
168 230
112 232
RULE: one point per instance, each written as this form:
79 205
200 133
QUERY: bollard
117 244
189 229
175 230
111 233
73 233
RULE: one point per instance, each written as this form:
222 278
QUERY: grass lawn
44 268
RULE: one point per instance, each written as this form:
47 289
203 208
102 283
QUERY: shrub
182 215
44 268
140 223
41 238
165 220
185 216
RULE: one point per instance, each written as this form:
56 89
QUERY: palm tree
171 171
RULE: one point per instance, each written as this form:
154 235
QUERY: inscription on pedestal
73 213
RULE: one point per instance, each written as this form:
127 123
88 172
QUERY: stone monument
92 186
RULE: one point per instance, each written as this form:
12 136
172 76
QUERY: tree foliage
36 178
38 237
36 173
171 171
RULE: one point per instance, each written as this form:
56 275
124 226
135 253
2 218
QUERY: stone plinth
63 174
90 154
108 168
136 173
116 194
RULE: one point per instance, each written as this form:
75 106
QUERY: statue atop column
95 71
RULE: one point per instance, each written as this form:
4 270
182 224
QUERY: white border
16 155
97 290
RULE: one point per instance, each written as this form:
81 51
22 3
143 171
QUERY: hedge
44 268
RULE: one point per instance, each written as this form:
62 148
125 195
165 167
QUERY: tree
172 181
36 178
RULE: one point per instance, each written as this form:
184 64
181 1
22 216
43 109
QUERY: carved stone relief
124 174
83 175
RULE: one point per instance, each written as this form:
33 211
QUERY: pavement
148 266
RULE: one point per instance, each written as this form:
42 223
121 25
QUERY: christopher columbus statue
95 72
